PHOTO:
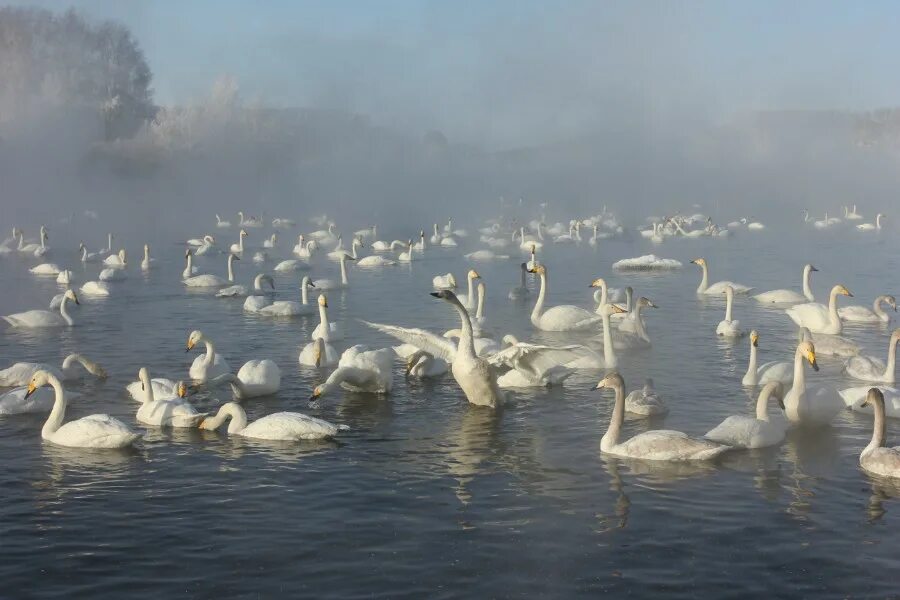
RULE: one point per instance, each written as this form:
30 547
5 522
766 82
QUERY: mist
420 113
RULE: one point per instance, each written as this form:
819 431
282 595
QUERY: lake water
427 496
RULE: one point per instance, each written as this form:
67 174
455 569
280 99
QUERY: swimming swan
361 370
741 431
875 458
327 330
862 314
660 444
21 373
281 426
330 284
816 405
283 308
468 300
646 401
34 319
729 327
869 368
789 296
93 431
207 280
235 291
819 318
172 412
771 371
565 317
119 261
718 287
208 365
255 378
422 365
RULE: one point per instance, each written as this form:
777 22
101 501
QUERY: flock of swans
484 368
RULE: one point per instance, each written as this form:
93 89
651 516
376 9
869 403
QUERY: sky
512 73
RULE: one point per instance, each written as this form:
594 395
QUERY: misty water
426 495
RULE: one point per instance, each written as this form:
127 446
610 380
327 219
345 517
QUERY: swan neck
479 312
799 373
807 291
466 345
471 295
55 420
891 364
304 292
344 280
539 303
832 307
148 388
878 430
611 437
210 353
704 281
876 308
762 402
729 301
231 268
609 354
323 319
64 311
751 367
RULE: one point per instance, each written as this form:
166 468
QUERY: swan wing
35 318
434 344
289 426
668 445
741 431
567 317
810 314
534 358
94 431
22 372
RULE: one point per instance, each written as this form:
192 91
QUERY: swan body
830 345
93 431
34 319
869 368
235 291
854 399
88 257
662 445
564 317
862 314
532 365
876 226
719 287
197 242
171 412
286 308
255 378
875 458
782 372
741 431
810 405
116 260
789 296
21 373
287 266
444 282
280 426
45 269
206 366
469 299
95 289
729 327
319 353
645 401
422 365
112 274
238 248
819 318
65 277
163 389
222 224
361 369
485 255
208 281
375 261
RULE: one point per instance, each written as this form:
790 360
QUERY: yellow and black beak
31 389
811 357
754 339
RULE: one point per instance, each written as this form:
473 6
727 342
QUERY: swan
324 235
284 308
718 287
851 216
770 371
147 261
790 296
360 369
21 373
331 284
239 246
44 318
173 412
855 399
234 291
875 458
88 257
381 246
631 332
118 260
43 249
829 345
280 426
255 378
876 226
163 389
645 401
260 257
602 293
95 289
339 249
521 291
420 245
207 247
289 265
869 368
609 345
65 277
93 431
271 242
18 401
30 248
534 365
729 327
189 268
474 375
660 444
204 241
817 317
422 365
741 431
485 255
444 282
436 237
374 261
479 320
45 269
222 224
206 366
318 353
484 346
328 331
861 314
207 280
249 222
304 249
112 274
804 405
407 255
282 223
448 241
565 317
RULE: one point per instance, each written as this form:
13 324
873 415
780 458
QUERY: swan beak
312 284
754 339
315 395
182 390
600 385
31 389
812 268
190 345
811 357
651 304
142 387
436 294
780 403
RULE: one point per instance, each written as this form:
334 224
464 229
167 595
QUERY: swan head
305 282
873 398
243 233
194 338
613 381
144 377
808 351
473 274
891 301
754 338
122 256
318 391
323 301
841 291
646 302
414 358
39 379
421 233
538 270
70 294
811 269
598 283
700 262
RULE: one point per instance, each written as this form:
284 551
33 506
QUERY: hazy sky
513 72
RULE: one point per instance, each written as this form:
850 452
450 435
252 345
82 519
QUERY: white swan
521 291
330 331
875 458
407 255
565 317
741 431
420 245
718 287
534 365
789 296
280 426
661 444
444 282
18 401
339 248
810 405
304 249
485 255
44 318
479 321
272 242
119 260
222 224
189 268
95 289
255 378
112 274
65 277
436 236
45 269
876 226
93 431
206 280
422 365
375 261
249 221
862 314
318 353
283 223
474 375
147 262
330 284
284 308
771 371
206 366
729 327
88 257
21 373
289 265
645 401
819 318
197 242
361 370
633 322
163 389
869 368
172 412
235 291
239 246
207 247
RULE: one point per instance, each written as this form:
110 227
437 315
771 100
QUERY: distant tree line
66 61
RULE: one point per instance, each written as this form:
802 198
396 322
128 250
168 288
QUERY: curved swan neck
704 281
807 291
84 253
539 303
230 409
799 373
466 345
832 306
609 353
891 364
611 437
751 367
762 401
479 312
471 295
876 308
304 291
55 420
323 318
878 430
729 302
64 312
210 353
344 280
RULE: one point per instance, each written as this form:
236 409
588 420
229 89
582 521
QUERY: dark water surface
427 496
